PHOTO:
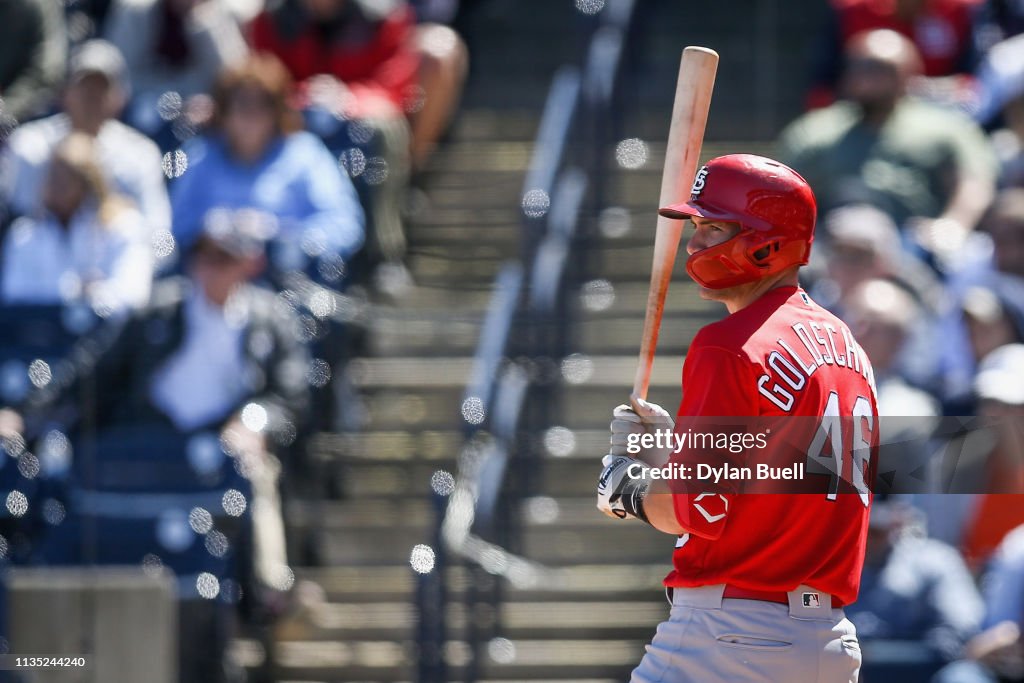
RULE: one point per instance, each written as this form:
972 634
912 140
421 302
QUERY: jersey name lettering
792 364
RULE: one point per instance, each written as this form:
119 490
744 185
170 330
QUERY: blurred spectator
87 241
990 457
859 243
1004 223
255 157
377 62
211 351
928 168
93 98
984 317
997 20
882 317
366 73
207 346
86 19
1000 85
988 297
245 10
993 319
941 30
32 60
444 62
1000 389
1004 601
997 653
175 49
999 107
435 11
912 589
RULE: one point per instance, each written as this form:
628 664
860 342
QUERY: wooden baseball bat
685 135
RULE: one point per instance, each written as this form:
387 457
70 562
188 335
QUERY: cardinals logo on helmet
698 183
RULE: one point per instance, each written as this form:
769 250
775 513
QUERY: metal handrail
494 340
549 147
552 254
499 390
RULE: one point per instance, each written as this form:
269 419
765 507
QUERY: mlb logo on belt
812 600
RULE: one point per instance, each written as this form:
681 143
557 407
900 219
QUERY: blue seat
165 540
47 328
146 494
33 333
154 458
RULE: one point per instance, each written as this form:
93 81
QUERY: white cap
100 57
1001 375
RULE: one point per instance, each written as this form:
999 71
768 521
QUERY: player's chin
721 295
709 294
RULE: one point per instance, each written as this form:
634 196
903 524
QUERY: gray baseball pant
708 639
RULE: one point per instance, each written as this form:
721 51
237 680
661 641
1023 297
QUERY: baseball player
759 579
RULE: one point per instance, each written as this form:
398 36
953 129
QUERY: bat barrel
697 69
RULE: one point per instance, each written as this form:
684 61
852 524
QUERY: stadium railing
527 320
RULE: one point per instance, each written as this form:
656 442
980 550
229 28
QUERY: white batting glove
629 424
618 494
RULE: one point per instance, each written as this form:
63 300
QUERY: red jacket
374 56
943 34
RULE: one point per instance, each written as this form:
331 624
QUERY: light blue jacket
298 181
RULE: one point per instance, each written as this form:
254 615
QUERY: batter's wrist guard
632 497
620 490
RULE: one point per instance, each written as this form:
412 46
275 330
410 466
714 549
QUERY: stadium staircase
590 625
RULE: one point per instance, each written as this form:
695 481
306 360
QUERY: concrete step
310 660
425 397
439 449
433 219
607 580
474 268
473 156
464 260
341 516
520 660
482 124
451 297
601 296
388 410
455 228
480 194
371 546
396 621
527 660
566 511
621 335
421 331
419 395
632 263
397 446
410 373
593 544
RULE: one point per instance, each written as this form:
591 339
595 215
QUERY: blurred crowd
194 194
195 197
912 143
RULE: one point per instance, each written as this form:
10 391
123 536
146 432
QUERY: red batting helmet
772 203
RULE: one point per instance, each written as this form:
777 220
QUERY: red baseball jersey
787 363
